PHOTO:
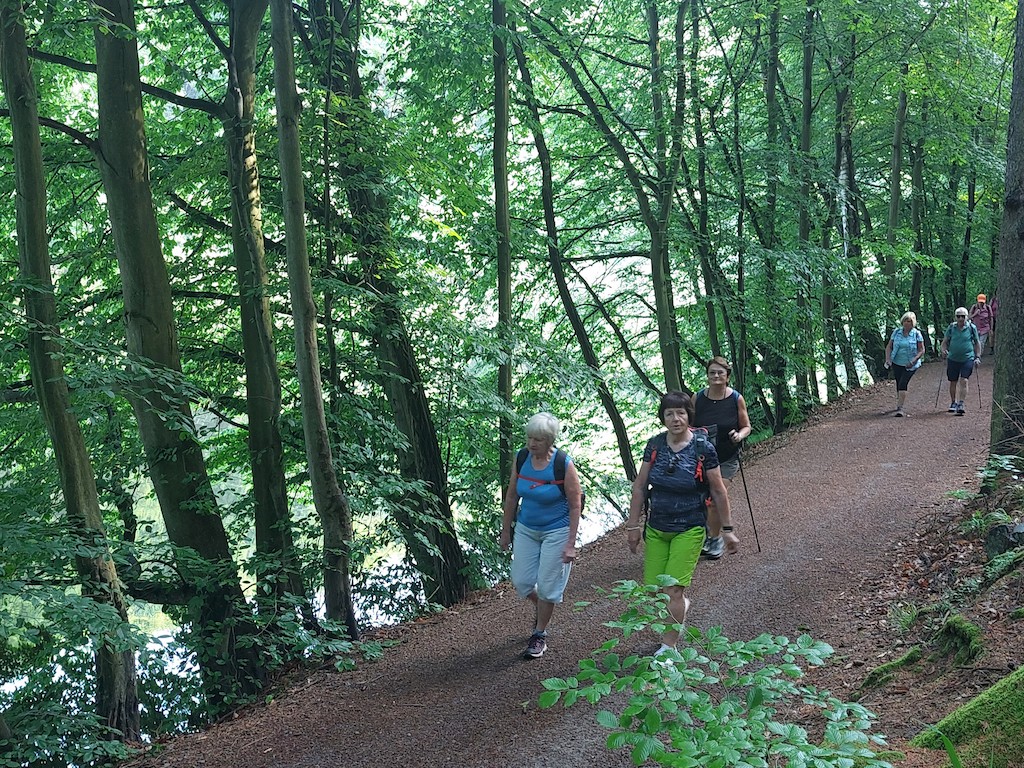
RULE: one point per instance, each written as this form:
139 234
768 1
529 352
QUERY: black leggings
902 376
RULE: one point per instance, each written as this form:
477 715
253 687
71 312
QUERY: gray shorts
730 467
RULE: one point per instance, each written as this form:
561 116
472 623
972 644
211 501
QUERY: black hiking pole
937 391
749 506
978 377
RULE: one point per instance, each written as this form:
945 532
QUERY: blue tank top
542 506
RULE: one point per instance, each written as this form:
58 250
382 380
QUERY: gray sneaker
960 408
952 407
714 547
535 648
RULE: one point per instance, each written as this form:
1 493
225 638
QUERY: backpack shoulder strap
700 447
702 441
561 460
521 459
660 441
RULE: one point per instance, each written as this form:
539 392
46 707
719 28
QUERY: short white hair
543 425
909 316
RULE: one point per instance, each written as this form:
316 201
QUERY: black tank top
723 414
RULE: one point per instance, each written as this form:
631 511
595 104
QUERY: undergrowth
717 702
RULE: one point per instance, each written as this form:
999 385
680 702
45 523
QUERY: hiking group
679 503
963 345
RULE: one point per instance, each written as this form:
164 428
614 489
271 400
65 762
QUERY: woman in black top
723 412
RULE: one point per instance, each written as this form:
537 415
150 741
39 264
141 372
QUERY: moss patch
989 729
884 673
961 638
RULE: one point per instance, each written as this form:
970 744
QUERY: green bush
718 702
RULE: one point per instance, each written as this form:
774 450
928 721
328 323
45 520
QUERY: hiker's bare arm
573 494
636 505
920 353
743 419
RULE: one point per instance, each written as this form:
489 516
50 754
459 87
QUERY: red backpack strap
559 480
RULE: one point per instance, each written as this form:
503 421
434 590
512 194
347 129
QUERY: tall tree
274 538
117 701
1008 415
895 184
502 230
229 660
328 497
653 188
426 518
556 262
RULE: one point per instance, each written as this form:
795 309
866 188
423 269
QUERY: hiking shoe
664 658
960 408
535 648
714 548
952 407
899 410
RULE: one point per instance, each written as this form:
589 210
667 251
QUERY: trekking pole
978 377
749 506
937 391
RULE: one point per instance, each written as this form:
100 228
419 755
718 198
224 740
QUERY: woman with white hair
961 347
904 353
545 524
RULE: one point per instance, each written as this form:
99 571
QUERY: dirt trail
829 501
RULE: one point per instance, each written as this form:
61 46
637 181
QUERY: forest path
829 501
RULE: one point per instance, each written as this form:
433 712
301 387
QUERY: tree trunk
503 234
336 27
773 360
1008 408
849 221
329 499
895 185
274 542
175 458
917 223
117 702
806 379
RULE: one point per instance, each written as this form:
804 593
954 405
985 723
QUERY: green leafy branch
716 702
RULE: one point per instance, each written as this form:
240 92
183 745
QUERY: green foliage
902 615
981 520
715 701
